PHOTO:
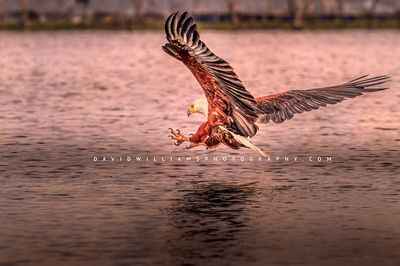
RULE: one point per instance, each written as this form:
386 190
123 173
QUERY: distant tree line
300 10
236 12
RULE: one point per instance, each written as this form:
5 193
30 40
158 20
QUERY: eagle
232 112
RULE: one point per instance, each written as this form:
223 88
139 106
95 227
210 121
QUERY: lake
77 110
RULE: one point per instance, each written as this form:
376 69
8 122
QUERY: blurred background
68 95
130 14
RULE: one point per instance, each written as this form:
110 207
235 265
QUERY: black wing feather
283 106
184 41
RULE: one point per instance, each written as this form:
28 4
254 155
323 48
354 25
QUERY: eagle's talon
177 136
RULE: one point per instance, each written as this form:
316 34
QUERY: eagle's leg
177 136
192 145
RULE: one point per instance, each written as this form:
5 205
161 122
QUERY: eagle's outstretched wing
282 106
229 103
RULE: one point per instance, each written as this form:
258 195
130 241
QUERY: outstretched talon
177 136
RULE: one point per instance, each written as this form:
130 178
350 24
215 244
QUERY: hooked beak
190 111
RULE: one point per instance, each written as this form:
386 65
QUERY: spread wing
229 103
282 106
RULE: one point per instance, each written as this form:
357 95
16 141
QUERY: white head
198 106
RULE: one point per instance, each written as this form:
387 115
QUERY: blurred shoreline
217 14
281 24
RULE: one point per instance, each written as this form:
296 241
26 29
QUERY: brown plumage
282 106
232 111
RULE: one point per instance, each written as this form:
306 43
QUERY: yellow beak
190 111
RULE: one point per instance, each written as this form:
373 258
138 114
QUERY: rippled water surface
67 97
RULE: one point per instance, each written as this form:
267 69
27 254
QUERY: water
67 97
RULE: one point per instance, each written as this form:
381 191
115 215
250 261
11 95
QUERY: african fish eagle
232 112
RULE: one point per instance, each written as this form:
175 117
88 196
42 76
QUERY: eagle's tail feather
245 142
